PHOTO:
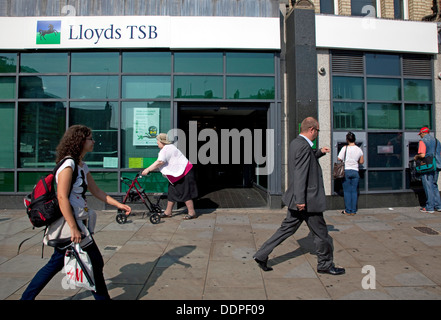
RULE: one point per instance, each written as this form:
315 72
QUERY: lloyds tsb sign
129 32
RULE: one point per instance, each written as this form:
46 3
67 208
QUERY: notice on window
145 126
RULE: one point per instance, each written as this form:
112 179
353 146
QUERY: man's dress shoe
262 264
333 270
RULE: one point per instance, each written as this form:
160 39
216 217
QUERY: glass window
27 180
106 181
383 64
198 87
383 89
398 9
7 142
102 118
99 62
94 87
146 87
140 123
417 116
349 115
7 182
363 7
7 87
385 180
198 62
47 62
41 126
8 62
385 150
146 62
327 6
43 87
154 182
250 88
384 116
250 63
417 90
348 88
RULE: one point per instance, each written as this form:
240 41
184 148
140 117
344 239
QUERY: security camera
322 71
439 75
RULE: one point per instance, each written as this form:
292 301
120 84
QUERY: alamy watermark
229 146
369 280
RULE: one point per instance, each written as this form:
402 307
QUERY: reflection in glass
417 90
94 87
198 87
146 62
7 141
384 116
250 88
417 116
250 63
102 118
146 87
383 64
348 88
8 62
385 150
349 115
385 180
43 87
99 62
7 182
43 62
383 89
41 126
7 87
198 62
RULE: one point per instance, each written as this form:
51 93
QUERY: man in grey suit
305 198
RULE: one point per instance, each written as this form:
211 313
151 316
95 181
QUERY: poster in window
145 126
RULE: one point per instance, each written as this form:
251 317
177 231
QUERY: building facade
229 80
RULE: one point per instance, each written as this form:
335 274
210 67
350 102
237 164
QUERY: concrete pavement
388 253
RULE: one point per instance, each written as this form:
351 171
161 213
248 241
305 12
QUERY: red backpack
42 204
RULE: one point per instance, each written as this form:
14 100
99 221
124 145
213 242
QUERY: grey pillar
301 68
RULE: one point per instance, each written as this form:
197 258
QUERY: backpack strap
74 174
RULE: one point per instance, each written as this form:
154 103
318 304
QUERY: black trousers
317 225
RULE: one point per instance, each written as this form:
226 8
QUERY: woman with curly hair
77 222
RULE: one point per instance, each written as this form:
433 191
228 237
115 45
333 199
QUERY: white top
353 155
174 161
75 198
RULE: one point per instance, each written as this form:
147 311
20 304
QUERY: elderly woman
178 170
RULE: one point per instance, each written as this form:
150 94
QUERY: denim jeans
350 189
56 264
430 185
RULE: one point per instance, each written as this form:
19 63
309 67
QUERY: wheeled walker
135 193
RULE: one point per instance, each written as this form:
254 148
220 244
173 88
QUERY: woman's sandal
189 216
163 215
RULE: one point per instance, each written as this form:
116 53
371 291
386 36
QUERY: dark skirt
183 190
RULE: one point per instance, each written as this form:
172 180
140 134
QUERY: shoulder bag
339 167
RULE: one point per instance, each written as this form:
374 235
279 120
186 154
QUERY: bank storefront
129 78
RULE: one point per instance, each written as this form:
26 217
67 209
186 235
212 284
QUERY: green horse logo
48 32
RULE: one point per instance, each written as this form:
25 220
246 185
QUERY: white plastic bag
78 273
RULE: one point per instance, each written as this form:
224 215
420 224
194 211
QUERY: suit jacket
305 178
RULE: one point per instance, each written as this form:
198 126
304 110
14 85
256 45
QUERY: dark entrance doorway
221 184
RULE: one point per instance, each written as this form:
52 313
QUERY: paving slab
211 258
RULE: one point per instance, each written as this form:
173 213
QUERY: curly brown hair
72 142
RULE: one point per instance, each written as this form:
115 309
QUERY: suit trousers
316 224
